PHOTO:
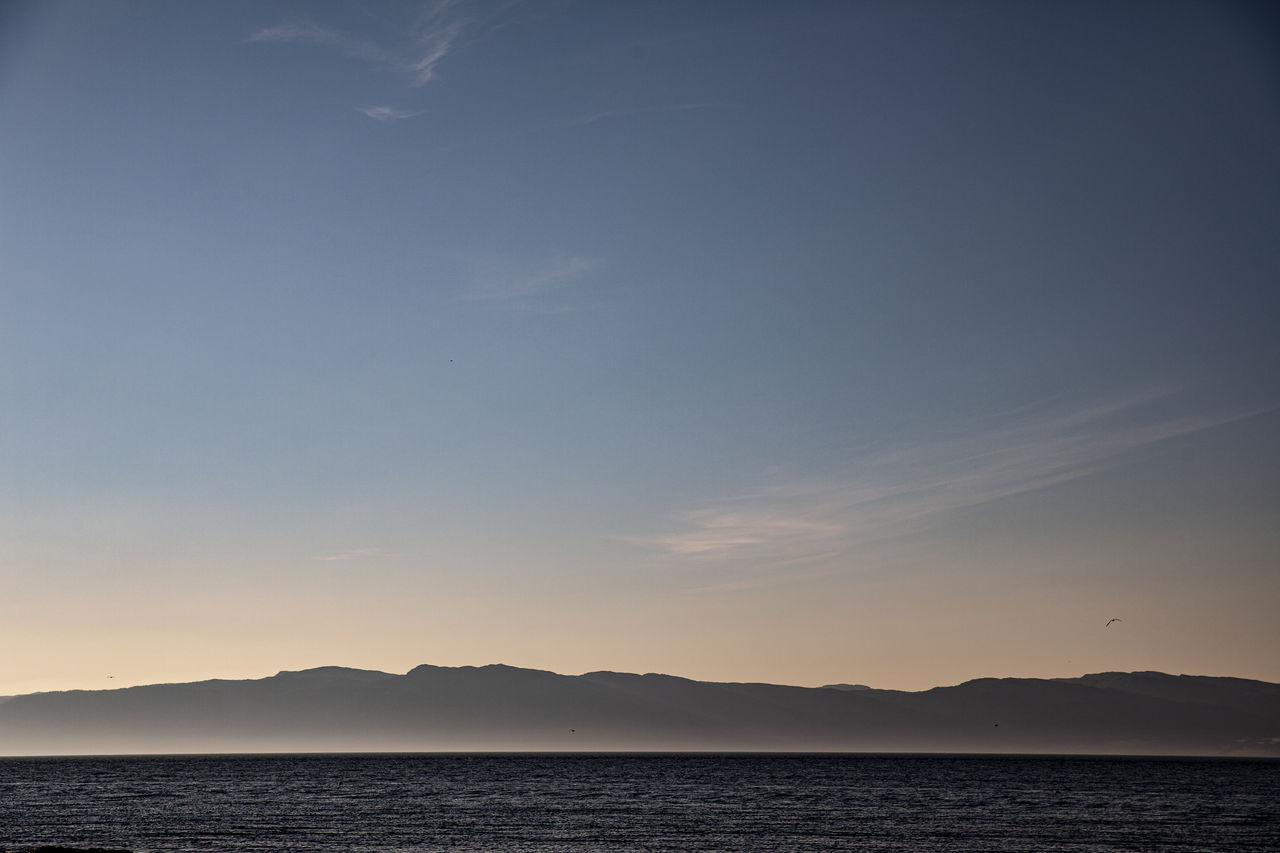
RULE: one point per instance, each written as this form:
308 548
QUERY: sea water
609 802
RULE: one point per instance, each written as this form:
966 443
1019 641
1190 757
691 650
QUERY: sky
893 343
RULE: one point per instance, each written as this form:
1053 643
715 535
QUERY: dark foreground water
355 803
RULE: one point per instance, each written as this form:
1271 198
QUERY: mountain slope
500 707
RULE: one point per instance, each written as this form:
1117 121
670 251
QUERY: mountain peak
489 669
332 672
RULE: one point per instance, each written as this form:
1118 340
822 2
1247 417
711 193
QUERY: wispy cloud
891 492
529 285
384 113
427 41
306 32
353 554
435 32
311 33
766 530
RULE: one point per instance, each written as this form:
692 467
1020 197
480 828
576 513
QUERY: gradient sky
885 342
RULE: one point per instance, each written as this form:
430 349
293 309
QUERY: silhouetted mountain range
500 707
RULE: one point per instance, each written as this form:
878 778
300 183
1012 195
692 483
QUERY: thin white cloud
310 33
895 491
529 285
435 32
295 32
385 113
430 38
761 531
353 554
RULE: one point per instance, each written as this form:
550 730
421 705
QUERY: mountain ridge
504 708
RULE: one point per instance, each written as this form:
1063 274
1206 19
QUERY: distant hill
500 707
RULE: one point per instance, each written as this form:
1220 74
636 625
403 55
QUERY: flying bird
1109 621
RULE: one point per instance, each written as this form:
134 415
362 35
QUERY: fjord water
601 802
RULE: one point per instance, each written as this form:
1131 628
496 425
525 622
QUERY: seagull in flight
1109 621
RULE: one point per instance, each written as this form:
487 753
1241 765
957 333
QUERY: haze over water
890 343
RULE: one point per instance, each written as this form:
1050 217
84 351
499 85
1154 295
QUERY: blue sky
896 343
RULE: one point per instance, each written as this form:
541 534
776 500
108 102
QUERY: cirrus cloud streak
892 492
